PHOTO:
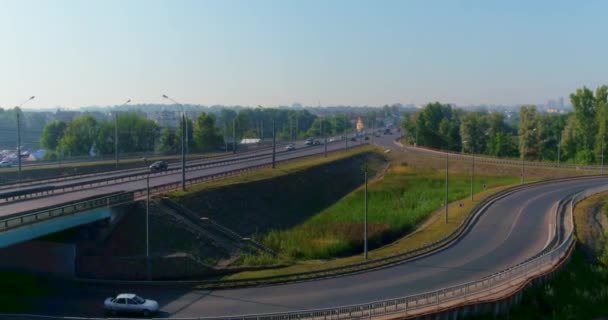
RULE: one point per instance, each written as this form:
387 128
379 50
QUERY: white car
130 303
5 164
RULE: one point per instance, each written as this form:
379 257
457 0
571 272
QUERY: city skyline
73 54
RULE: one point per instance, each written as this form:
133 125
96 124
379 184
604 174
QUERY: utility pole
325 139
19 141
234 135
274 144
602 164
446 186
416 137
116 138
19 134
291 129
225 139
116 133
148 223
184 135
365 218
558 147
345 139
522 164
472 171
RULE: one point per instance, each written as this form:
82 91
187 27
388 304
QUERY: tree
601 97
568 138
474 130
168 142
206 134
52 134
528 123
433 131
584 104
80 136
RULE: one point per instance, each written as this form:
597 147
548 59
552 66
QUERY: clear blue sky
75 53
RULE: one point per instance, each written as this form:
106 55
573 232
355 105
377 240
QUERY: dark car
316 142
159 166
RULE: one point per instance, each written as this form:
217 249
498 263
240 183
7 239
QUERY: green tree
528 123
584 104
601 97
438 127
52 134
206 134
80 136
474 132
168 142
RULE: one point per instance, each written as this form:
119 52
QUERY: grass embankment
398 203
580 291
282 169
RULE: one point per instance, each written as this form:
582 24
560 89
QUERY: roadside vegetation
397 203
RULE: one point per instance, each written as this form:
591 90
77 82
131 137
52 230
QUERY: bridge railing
9 196
45 214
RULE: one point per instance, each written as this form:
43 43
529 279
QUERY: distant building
360 126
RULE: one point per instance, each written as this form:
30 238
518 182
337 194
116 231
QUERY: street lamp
147 217
116 132
186 122
365 217
446 185
184 141
19 133
558 149
523 156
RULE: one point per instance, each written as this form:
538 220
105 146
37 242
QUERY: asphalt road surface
512 230
14 208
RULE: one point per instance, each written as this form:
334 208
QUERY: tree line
85 135
576 137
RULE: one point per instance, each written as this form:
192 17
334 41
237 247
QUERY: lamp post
365 216
523 156
147 219
558 149
184 142
274 144
19 133
186 122
116 132
446 185
602 156
234 135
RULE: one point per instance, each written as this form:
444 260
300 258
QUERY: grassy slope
397 203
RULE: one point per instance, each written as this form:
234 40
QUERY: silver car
130 303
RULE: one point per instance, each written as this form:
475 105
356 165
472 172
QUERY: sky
332 52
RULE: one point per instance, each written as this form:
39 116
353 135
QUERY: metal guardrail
197 158
514 162
405 306
51 190
21 219
38 216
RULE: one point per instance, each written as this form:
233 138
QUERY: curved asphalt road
511 230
